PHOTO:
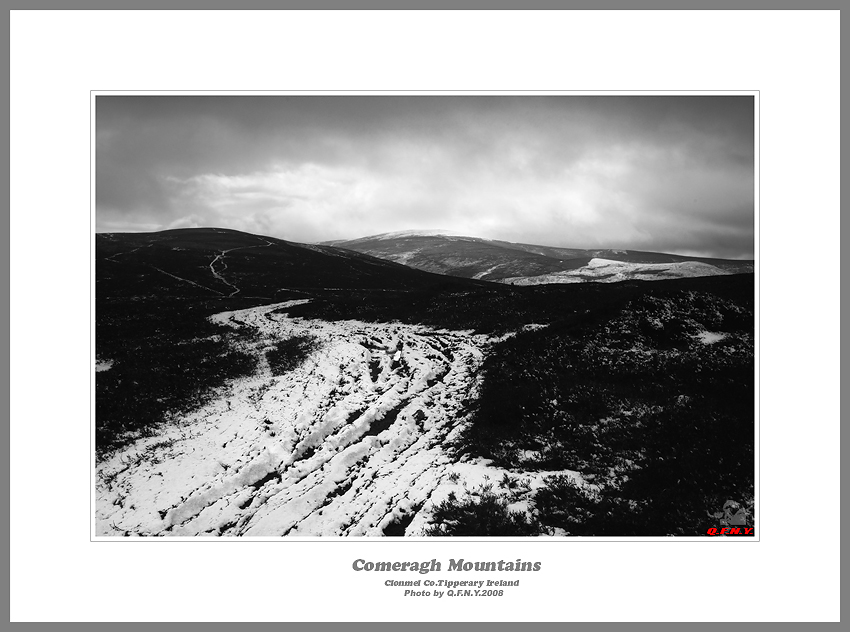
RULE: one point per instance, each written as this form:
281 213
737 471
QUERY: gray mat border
433 5
371 5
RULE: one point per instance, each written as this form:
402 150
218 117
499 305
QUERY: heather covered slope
242 391
651 400
157 353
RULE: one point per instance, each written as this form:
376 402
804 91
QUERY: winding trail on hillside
352 442
220 257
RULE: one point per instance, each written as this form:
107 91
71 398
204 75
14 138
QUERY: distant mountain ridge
530 264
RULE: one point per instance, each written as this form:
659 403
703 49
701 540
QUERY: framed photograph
421 316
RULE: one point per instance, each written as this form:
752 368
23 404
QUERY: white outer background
57 574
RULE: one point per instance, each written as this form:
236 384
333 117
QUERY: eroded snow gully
347 444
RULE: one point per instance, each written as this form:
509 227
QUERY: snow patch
534 326
466 477
481 275
610 271
404 257
412 233
710 337
322 450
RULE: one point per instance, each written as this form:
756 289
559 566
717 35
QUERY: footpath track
351 442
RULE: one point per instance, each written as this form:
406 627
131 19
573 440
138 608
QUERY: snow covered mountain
493 260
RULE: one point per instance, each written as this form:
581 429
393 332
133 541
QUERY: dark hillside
496 308
644 388
154 292
652 399
218 263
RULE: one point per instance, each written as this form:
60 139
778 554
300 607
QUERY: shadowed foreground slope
589 409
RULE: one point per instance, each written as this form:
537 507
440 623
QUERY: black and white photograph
429 315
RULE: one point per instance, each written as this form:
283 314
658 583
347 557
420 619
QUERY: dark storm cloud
654 173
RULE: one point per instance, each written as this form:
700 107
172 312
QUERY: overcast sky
661 173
